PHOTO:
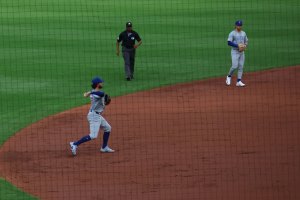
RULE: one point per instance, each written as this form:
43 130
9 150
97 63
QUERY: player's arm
119 39
98 93
139 41
230 41
246 41
87 94
232 44
138 44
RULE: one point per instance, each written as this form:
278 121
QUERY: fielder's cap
128 24
239 23
97 80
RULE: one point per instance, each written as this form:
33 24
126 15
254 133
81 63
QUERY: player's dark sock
229 75
238 80
82 140
105 139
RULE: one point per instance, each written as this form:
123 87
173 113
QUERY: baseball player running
98 102
238 41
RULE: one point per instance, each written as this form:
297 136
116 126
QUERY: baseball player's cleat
73 148
107 150
240 84
228 80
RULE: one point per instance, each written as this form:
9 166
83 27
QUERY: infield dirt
200 140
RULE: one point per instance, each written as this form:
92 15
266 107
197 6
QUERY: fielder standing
238 40
128 38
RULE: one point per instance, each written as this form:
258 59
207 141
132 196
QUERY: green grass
9 192
50 50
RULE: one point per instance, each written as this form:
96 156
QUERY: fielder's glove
107 99
242 47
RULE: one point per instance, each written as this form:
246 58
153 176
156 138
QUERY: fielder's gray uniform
238 58
96 120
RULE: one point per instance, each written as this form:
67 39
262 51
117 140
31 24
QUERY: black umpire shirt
128 39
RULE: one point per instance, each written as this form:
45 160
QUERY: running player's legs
241 66
235 62
105 125
95 122
107 129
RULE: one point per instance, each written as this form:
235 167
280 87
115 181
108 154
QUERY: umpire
128 38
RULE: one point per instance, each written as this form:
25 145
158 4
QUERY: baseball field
50 50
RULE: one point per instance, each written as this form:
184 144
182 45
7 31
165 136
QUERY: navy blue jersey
128 39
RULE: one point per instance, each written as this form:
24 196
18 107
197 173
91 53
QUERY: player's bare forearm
138 44
86 94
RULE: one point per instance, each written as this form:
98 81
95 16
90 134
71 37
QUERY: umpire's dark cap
128 24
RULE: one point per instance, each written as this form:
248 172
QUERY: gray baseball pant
238 60
96 122
129 56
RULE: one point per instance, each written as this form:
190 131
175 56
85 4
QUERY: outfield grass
50 50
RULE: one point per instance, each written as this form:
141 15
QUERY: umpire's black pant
129 56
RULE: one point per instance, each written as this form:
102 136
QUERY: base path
201 140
